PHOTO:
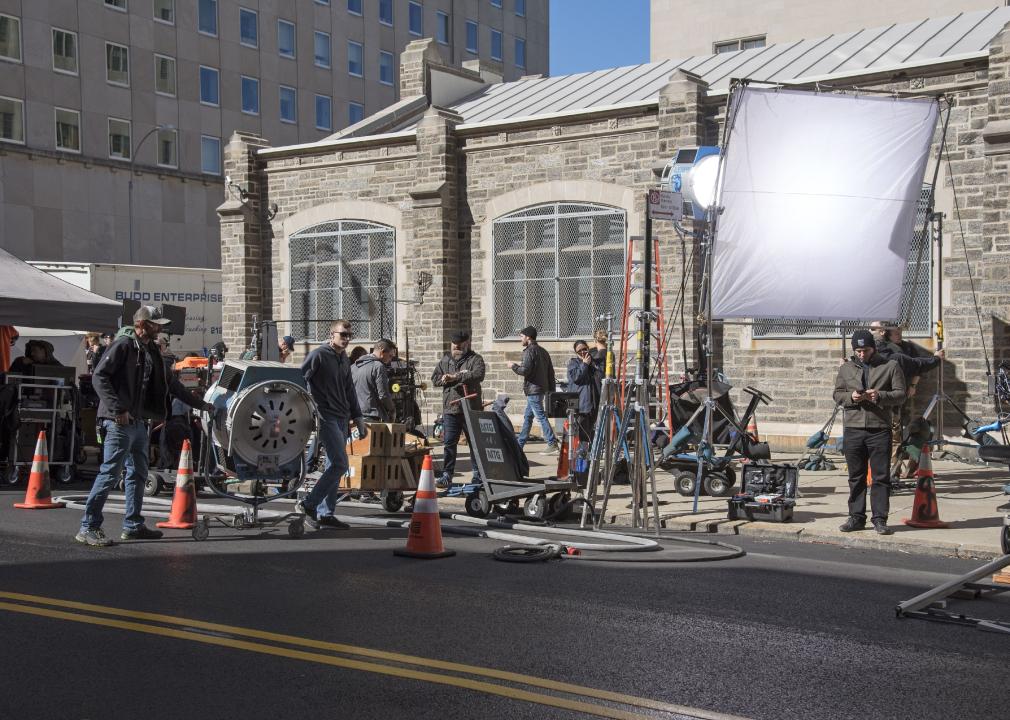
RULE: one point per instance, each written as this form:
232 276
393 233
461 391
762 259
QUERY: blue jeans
535 408
453 426
124 445
333 436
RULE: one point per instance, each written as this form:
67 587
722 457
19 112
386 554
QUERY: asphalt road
790 630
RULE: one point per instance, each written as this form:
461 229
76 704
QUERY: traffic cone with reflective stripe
38 495
183 515
425 537
925 511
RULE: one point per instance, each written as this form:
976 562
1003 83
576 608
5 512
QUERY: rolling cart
49 401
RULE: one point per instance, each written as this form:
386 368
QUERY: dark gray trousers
871 448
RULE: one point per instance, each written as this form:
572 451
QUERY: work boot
331 522
94 537
141 532
880 527
852 524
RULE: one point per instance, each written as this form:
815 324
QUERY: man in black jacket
537 372
460 371
585 377
132 387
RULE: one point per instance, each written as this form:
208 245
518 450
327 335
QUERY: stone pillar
414 61
682 123
244 261
433 245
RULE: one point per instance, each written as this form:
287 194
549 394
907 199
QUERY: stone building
517 201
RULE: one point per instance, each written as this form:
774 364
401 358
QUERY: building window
119 139
496 43
164 11
250 95
442 27
10 38
289 104
248 27
727 46
556 267
520 53
324 112
210 155
168 152
322 2
12 120
415 18
322 55
207 17
354 7
471 36
355 113
68 130
343 268
210 86
521 8
164 75
385 67
386 12
117 64
64 51
116 4
286 38
496 3
354 61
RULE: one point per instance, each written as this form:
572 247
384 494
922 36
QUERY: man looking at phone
869 388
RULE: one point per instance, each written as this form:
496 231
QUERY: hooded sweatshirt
371 384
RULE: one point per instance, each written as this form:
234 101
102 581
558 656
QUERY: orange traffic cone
425 537
39 496
925 511
183 515
563 460
752 428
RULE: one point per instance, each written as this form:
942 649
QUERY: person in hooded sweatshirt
371 382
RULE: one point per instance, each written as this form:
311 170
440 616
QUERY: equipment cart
49 401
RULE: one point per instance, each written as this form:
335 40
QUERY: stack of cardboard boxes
379 461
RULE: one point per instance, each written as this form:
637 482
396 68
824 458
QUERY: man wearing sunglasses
327 371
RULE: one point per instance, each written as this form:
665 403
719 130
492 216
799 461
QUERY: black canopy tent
31 297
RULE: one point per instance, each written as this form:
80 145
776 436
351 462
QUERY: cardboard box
377 444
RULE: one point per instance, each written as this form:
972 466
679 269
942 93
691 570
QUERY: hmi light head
676 176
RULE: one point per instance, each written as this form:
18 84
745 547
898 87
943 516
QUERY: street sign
665 205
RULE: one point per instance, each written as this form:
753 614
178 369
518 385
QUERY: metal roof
883 49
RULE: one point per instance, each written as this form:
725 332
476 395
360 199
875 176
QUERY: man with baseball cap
132 386
459 372
869 388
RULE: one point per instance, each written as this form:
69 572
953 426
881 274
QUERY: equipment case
769 493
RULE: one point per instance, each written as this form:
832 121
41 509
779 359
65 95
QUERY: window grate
343 269
556 267
916 312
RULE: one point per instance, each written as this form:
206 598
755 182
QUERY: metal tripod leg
620 446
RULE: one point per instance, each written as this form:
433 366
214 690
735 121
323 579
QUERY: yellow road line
381 655
368 652
490 688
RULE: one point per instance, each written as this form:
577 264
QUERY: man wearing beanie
869 388
459 372
537 372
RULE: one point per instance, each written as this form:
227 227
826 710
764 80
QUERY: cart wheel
684 482
11 477
66 474
392 500
477 504
296 528
534 507
154 484
718 484
80 455
556 503
1004 540
201 531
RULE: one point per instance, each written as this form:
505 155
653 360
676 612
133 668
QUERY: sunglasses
345 334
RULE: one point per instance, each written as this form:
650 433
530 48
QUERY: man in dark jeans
460 371
537 371
327 372
584 377
869 388
132 386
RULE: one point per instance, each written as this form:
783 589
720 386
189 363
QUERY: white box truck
196 289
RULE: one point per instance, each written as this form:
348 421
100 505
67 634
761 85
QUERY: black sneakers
94 538
328 521
141 533
852 524
310 515
880 527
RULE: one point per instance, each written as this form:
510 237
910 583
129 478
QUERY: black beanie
529 331
863 339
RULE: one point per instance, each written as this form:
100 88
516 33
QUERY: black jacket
127 367
470 368
328 374
585 379
911 363
537 371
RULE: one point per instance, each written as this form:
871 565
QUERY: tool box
768 493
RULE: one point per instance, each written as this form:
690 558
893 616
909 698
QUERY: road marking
197 630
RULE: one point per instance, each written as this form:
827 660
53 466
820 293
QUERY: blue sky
597 34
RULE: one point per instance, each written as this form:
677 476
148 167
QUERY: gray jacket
470 369
879 374
371 383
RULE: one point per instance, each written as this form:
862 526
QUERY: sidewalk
968 495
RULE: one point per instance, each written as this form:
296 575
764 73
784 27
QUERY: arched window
557 267
343 269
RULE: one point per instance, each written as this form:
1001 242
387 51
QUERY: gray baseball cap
149 313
